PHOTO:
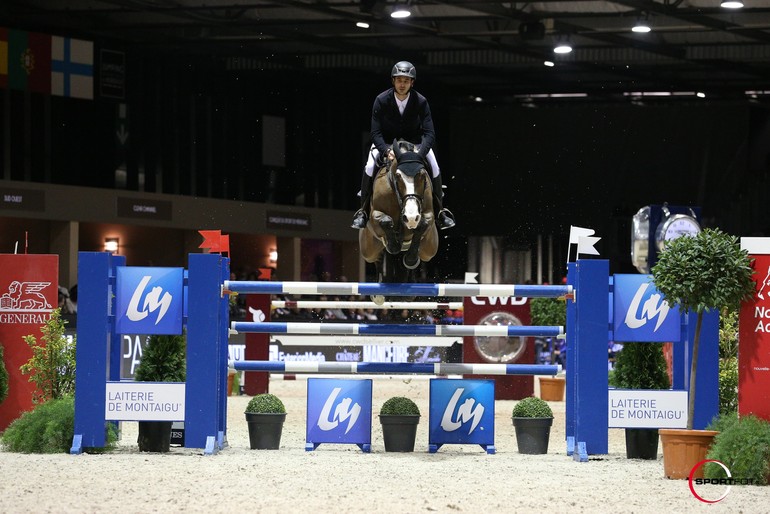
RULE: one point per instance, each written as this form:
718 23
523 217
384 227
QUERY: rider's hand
391 155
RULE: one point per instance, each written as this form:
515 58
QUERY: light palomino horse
402 191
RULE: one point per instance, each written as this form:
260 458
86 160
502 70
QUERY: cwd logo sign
462 411
149 300
339 411
640 313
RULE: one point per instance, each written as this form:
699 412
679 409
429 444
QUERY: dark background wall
196 128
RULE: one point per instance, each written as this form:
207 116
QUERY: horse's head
410 179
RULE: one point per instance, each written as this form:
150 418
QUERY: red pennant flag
265 273
211 240
224 244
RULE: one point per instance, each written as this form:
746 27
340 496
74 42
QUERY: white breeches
374 154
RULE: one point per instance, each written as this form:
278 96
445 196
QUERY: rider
401 113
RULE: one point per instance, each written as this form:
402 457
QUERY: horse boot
444 217
362 215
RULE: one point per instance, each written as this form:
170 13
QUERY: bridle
394 185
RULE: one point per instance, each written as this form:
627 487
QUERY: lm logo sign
339 411
640 313
149 300
462 412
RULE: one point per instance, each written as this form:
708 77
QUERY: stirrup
359 219
445 219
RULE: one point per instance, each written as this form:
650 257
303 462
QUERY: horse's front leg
411 257
387 231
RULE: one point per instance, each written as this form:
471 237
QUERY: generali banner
28 294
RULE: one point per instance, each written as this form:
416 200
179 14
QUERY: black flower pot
532 434
265 430
399 432
642 443
154 436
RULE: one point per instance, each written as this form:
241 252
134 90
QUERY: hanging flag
29 61
72 67
3 57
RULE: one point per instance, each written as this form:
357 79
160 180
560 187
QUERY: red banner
754 348
28 294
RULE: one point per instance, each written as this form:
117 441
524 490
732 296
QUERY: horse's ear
397 149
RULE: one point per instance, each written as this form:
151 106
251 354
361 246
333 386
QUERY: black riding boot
362 215
444 217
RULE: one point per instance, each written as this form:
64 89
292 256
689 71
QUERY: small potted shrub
532 419
163 360
550 312
641 366
265 414
399 417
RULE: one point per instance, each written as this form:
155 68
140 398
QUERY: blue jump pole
396 329
397 368
370 288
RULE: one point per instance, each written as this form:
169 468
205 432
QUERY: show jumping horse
401 220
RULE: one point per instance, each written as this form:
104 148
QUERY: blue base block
581 455
489 448
77 445
570 445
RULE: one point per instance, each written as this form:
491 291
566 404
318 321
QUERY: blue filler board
339 411
462 412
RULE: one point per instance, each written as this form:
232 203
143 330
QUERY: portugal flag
29 61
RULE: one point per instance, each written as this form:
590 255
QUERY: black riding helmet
403 69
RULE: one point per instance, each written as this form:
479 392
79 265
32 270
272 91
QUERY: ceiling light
562 48
550 64
732 4
400 11
700 94
641 27
362 25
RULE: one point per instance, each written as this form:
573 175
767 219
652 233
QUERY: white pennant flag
586 245
584 239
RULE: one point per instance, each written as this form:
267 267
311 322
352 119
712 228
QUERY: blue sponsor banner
641 314
339 411
462 412
149 300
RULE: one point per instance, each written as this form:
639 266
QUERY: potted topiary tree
550 312
399 417
163 360
265 415
699 273
641 366
532 419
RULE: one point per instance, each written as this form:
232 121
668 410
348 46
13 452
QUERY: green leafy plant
52 365
548 312
700 273
744 447
640 366
3 377
532 407
399 406
728 362
49 428
266 404
163 360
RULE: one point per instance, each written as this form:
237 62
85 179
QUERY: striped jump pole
394 368
395 329
373 289
309 304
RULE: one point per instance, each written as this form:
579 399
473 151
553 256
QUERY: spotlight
400 11
732 4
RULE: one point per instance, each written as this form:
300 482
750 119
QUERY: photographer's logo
713 490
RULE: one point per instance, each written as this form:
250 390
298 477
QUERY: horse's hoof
378 299
408 266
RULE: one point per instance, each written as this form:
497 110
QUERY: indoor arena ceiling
469 46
